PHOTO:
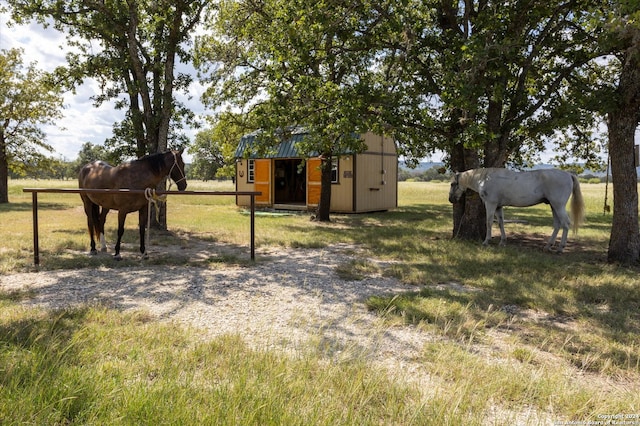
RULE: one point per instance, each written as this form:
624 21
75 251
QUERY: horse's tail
577 205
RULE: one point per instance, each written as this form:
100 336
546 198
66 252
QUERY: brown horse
146 172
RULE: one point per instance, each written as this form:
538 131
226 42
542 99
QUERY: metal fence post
253 227
36 245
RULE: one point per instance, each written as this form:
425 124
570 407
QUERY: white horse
501 187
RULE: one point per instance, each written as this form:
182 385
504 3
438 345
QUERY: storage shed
363 182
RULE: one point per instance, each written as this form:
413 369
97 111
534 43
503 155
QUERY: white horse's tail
577 205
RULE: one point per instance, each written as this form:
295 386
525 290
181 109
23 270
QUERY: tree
207 155
140 43
297 64
623 119
214 148
90 152
27 101
490 82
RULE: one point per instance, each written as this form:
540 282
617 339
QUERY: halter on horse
146 172
501 187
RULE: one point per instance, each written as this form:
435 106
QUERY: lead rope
152 198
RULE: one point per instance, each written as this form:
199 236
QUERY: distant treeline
439 174
56 169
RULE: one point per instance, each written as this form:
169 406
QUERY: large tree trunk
624 243
4 171
162 132
324 207
469 212
469 218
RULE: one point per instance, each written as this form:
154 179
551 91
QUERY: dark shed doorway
290 183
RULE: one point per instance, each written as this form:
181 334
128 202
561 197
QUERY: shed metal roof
285 149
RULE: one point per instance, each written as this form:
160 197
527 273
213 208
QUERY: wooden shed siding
342 191
263 179
314 176
242 184
359 187
371 193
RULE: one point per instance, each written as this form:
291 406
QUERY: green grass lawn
516 329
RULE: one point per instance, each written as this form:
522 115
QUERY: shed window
334 170
251 171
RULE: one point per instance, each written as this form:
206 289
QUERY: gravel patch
288 298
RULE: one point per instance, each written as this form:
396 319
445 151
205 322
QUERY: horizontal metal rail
34 197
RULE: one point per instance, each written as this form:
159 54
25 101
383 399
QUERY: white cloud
82 121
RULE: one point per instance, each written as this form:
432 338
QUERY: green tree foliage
28 100
213 150
299 63
207 156
489 83
500 78
88 153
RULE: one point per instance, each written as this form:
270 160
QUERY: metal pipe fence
34 198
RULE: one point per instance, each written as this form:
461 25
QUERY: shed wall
376 182
342 191
242 184
366 181
376 176
313 182
264 181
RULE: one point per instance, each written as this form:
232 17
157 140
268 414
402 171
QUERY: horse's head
177 171
456 192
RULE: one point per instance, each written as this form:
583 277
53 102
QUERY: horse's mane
471 178
156 161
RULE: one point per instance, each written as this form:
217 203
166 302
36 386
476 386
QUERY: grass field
535 336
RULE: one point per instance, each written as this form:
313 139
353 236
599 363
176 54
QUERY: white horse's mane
472 178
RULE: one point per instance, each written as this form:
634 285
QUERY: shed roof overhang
285 149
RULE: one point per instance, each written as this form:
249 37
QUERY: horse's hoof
93 252
144 256
117 257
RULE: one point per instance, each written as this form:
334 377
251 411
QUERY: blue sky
82 121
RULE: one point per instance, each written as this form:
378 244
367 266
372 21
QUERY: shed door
314 176
262 181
